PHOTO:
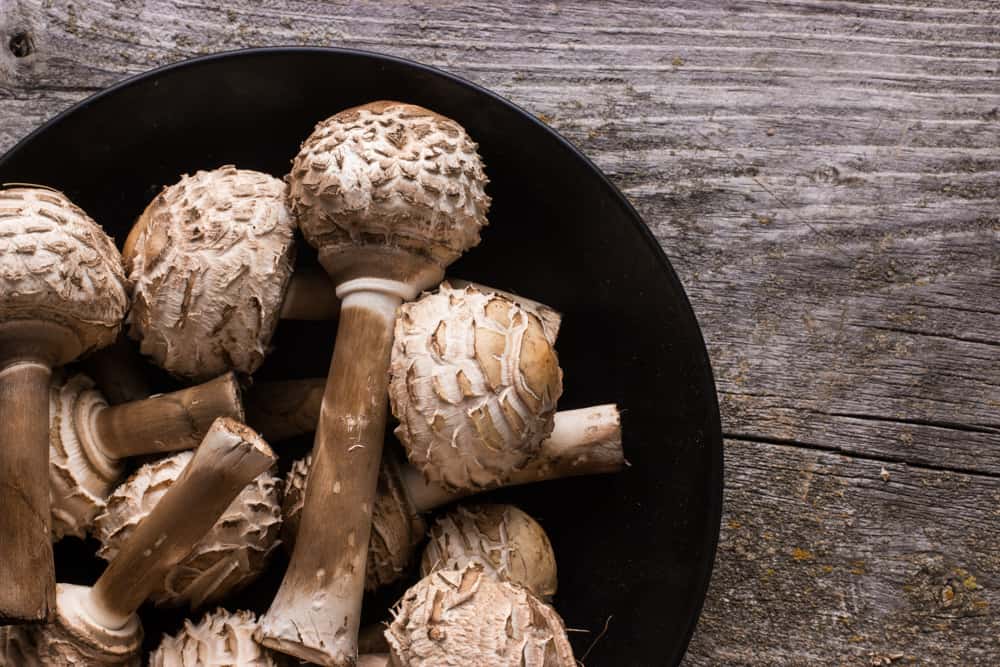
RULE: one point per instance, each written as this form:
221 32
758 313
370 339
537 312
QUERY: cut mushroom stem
404 495
99 625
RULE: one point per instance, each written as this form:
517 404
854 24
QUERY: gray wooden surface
824 175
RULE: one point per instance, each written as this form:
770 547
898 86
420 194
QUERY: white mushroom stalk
510 545
475 380
89 439
62 294
389 194
456 618
99 626
583 442
210 260
232 554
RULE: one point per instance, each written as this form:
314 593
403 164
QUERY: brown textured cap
220 638
58 265
210 259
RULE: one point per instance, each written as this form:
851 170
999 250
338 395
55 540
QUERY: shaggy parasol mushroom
220 638
389 194
455 618
475 381
583 442
210 261
233 553
508 542
88 439
62 294
99 626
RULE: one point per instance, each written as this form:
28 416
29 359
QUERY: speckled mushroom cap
397 529
210 259
508 542
80 476
389 177
456 618
58 265
221 638
474 384
231 555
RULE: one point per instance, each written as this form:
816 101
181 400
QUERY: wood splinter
99 625
389 194
89 439
62 294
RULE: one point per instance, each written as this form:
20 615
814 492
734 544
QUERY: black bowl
635 550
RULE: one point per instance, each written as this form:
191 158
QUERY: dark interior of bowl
635 550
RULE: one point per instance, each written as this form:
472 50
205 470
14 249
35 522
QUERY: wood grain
825 177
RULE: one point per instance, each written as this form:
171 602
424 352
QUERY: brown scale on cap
456 618
508 542
62 294
210 260
474 384
220 638
231 555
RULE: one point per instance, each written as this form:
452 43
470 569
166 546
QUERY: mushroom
210 260
389 194
508 542
62 294
475 381
88 439
583 442
220 638
234 552
99 625
455 618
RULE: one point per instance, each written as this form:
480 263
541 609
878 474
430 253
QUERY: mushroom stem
282 410
587 441
118 370
310 296
28 350
316 613
167 422
229 458
374 660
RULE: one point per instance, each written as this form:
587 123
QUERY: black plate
636 548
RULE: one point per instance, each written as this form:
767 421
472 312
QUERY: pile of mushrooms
182 490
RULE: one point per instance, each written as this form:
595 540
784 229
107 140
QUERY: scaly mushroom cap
389 176
210 259
222 639
74 639
397 529
19 646
231 555
58 265
455 618
80 476
508 542
474 384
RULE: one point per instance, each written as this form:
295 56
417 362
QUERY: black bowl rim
713 438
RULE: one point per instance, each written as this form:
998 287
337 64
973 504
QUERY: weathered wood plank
825 177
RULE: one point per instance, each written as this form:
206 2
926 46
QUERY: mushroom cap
474 384
231 555
220 638
454 618
508 542
57 265
391 177
80 476
210 259
397 529
74 639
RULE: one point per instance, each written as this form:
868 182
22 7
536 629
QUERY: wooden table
825 177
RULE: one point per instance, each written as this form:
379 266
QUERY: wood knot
21 44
